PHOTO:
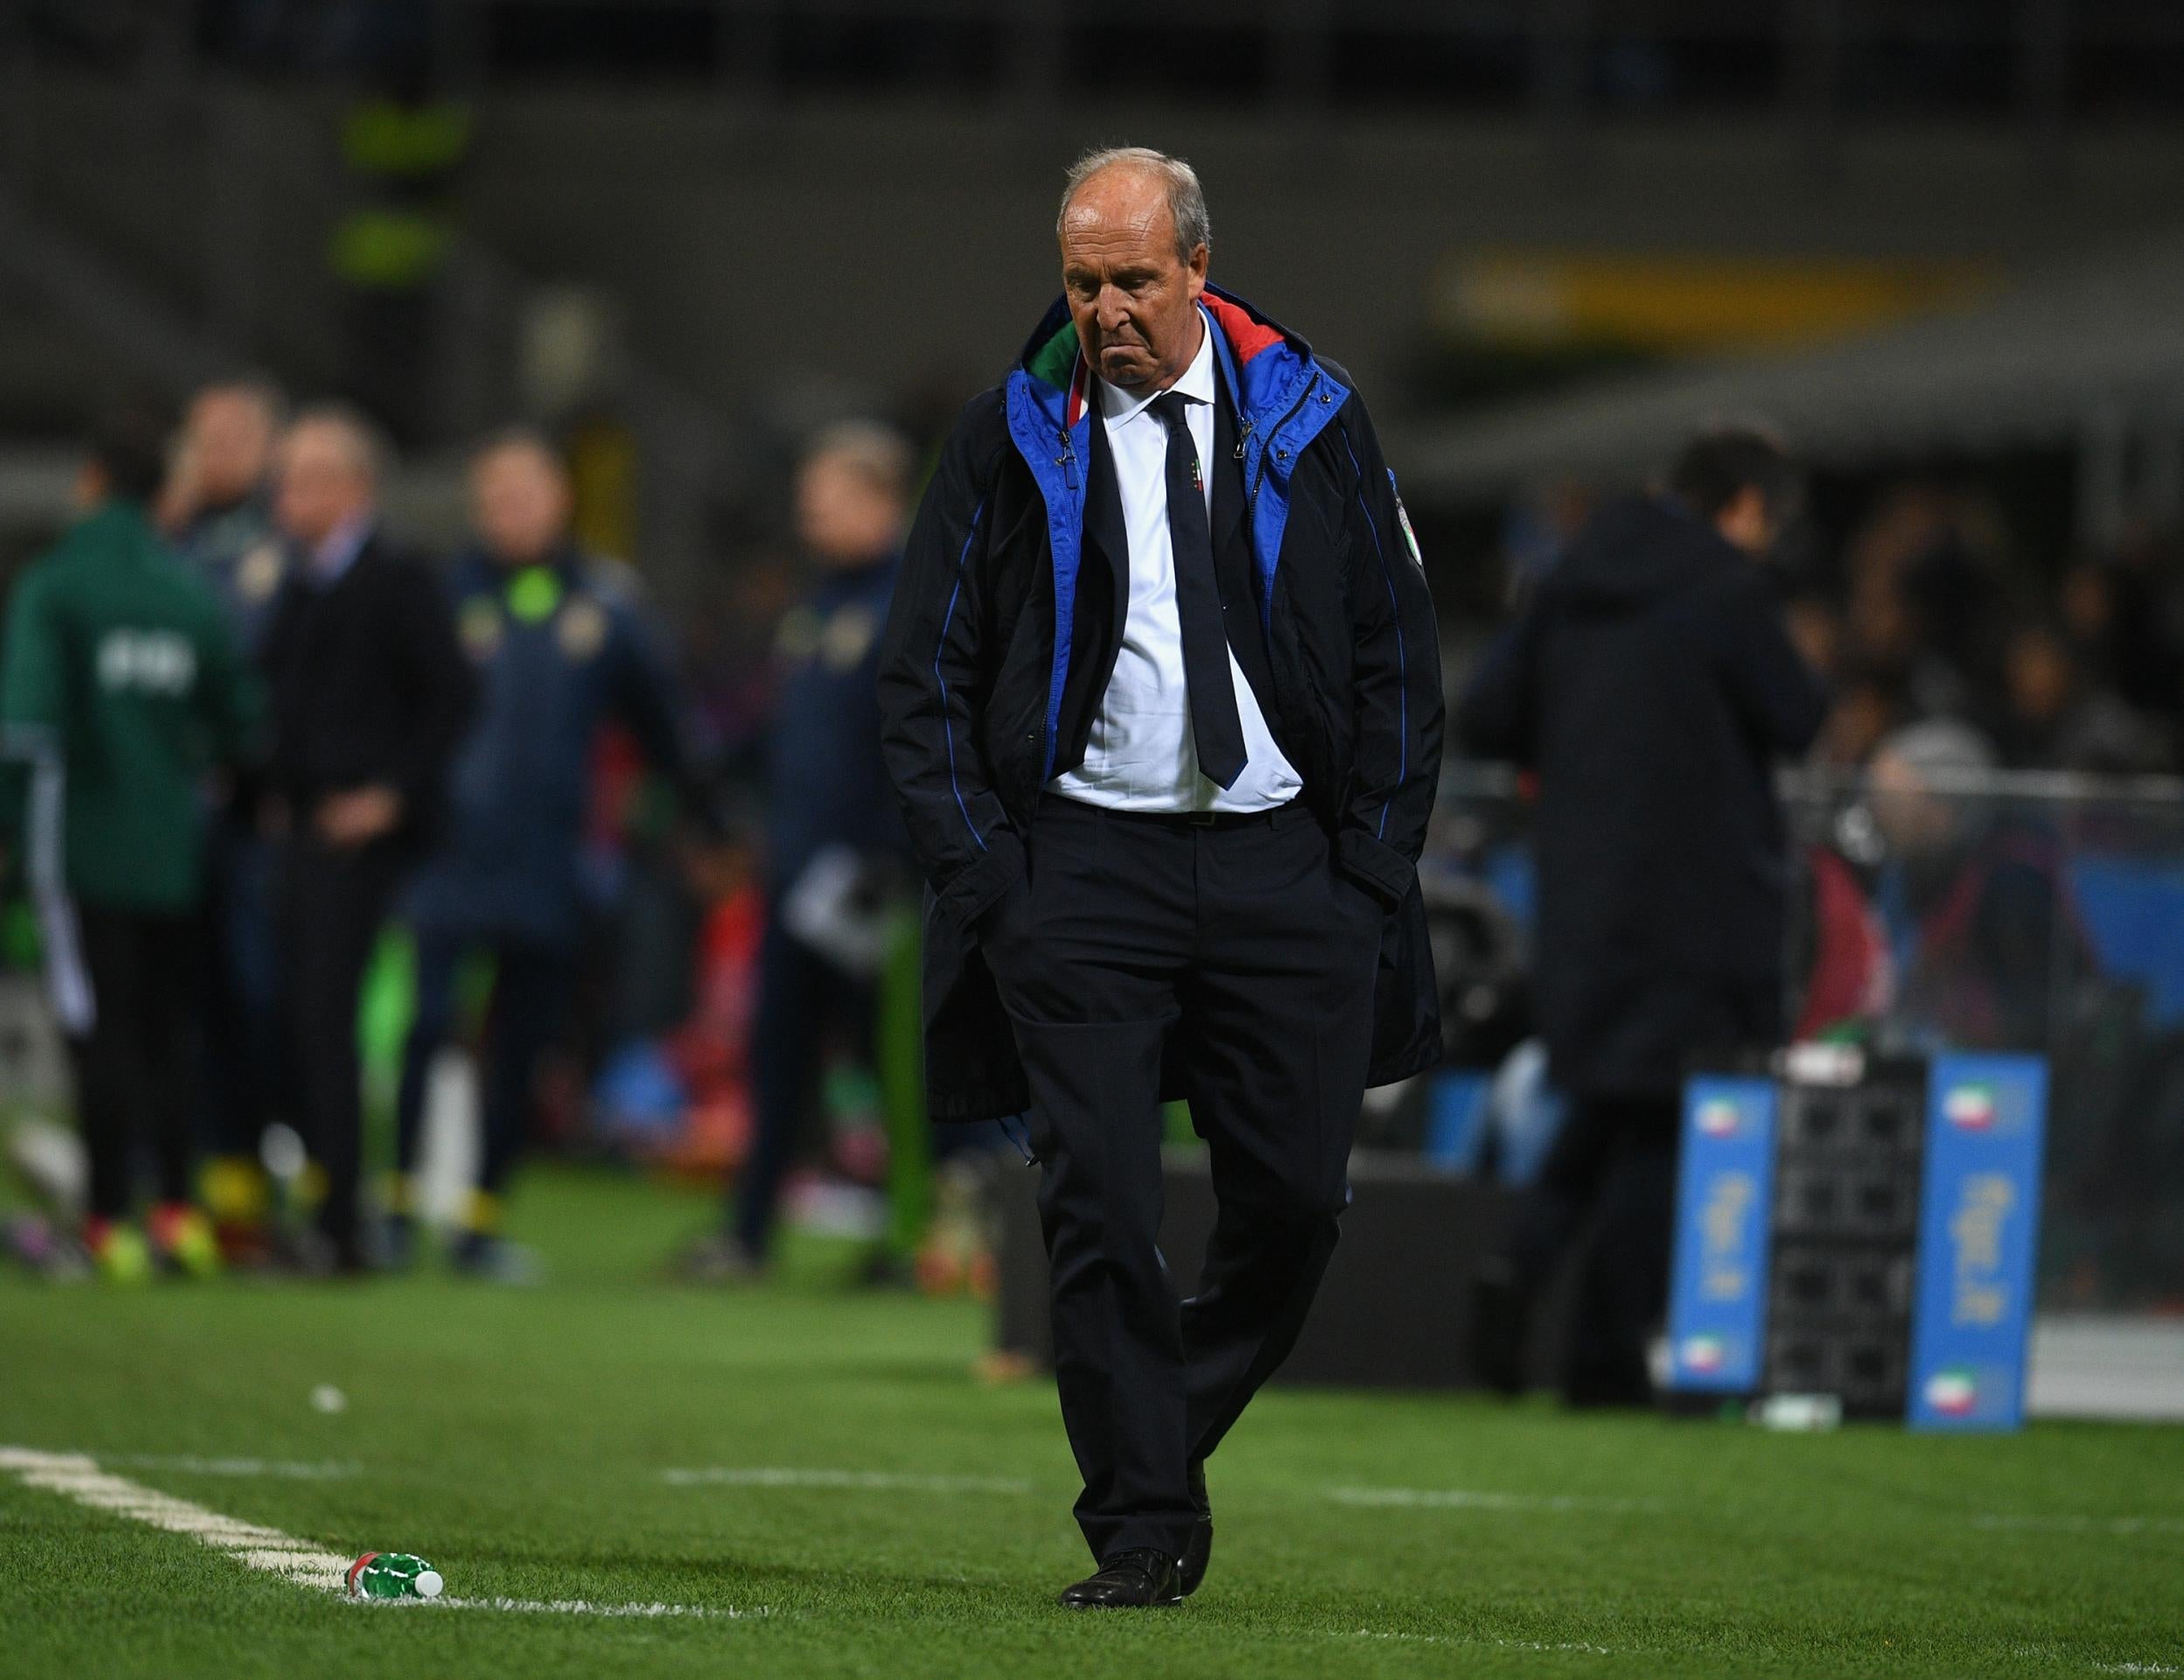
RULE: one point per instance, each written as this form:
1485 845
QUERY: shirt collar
1119 407
331 560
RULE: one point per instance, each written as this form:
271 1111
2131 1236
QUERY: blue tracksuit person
560 649
832 834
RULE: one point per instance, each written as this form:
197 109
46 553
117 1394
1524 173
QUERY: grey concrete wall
777 259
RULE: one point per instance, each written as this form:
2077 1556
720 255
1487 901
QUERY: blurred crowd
300 807
1928 606
340 850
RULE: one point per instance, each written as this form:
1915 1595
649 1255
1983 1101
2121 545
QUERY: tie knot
1169 406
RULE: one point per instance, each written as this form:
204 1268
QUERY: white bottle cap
428 1583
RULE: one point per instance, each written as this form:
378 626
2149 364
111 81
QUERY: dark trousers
805 1002
1234 951
331 904
531 987
243 1052
1609 1180
134 1067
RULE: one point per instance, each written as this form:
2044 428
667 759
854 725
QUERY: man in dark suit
1652 683
1162 700
371 695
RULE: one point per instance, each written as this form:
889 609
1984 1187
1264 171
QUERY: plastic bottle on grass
393 1575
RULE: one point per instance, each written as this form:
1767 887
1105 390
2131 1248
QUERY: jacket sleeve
1396 675
647 701
936 668
443 690
1496 717
1782 699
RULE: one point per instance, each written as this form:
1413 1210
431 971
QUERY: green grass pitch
519 1440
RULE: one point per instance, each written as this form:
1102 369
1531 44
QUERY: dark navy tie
1214 725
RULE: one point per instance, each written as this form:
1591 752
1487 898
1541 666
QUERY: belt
1187 818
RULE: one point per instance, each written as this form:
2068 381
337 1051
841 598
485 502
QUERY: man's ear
1200 260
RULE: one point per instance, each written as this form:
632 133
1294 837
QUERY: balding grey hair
1186 199
367 447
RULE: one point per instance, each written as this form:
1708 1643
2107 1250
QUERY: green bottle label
392 1575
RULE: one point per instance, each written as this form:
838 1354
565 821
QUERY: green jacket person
121 688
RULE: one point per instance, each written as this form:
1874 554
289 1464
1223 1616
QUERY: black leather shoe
1199 1550
1128 1580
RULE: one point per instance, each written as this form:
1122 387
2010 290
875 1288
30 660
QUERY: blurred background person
122 688
370 692
218 506
219 497
2056 714
834 842
1652 684
1976 887
561 649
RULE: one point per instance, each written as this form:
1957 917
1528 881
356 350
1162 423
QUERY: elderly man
560 648
370 692
1161 702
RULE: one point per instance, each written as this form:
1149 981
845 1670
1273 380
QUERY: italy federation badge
1403 518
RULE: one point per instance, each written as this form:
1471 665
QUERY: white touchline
2062 1524
1499 1644
77 1476
1470 1499
582 1607
726 1476
190 1464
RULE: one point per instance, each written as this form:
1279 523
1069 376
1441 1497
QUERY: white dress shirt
1141 755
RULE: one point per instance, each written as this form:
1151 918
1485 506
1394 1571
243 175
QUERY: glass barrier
2023 912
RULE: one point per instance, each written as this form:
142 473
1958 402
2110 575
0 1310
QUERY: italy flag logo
1970 1108
1952 1392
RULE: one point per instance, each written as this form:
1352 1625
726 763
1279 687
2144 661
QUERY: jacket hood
1636 551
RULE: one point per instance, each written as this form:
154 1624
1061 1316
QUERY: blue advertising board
1717 1298
1978 1225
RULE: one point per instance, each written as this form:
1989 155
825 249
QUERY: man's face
229 439
1133 298
1747 523
1914 821
842 517
2038 675
321 482
519 502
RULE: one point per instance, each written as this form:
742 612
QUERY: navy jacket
368 687
1652 685
558 653
826 783
1006 627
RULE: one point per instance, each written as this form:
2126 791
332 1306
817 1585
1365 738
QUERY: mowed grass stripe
517 1440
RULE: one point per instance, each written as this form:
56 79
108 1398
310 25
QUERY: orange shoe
183 1241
